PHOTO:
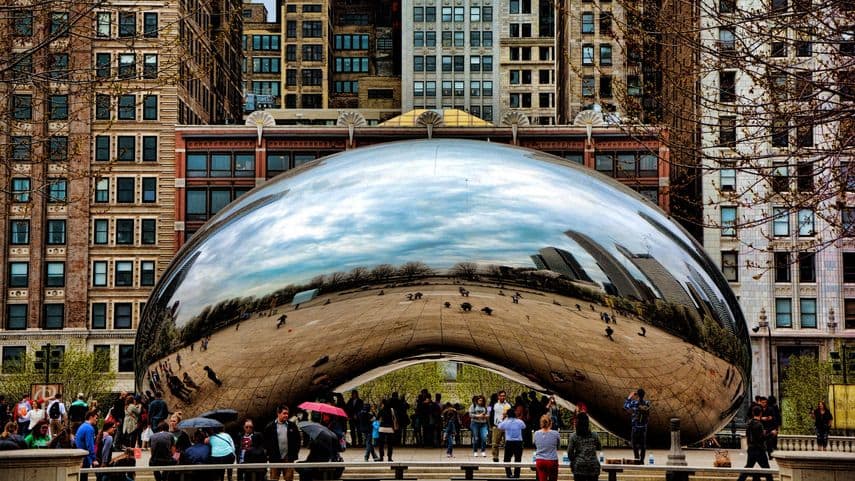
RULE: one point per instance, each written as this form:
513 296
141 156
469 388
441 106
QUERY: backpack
54 411
642 413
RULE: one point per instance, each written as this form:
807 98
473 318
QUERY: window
446 14
587 22
127 65
430 88
146 273
588 86
149 107
149 152
58 107
102 191
780 132
727 130
783 312
122 315
487 63
726 41
780 177
103 22
127 24
430 39
605 23
124 275
782 266
20 189
807 267
780 221
19 274
779 43
726 6
99 274
290 32
102 65
149 232
59 24
22 107
588 54
126 358
101 352
847 218
127 107
730 265
605 54
58 148
418 14
312 28
474 38
604 163
804 132
16 317
430 65
633 85
126 148
849 267
474 14
56 232
727 86
430 14
418 39
728 221
55 274
150 25
487 14
13 356
149 189
150 65
807 313
806 223
849 313
21 147
58 68
125 190
102 107
54 316
57 190
487 38
22 23
124 231
19 232
100 231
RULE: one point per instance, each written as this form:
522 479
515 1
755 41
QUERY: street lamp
764 323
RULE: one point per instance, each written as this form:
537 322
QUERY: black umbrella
317 432
221 415
199 423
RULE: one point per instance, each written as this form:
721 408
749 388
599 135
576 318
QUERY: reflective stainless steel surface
392 237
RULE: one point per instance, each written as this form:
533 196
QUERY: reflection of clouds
439 202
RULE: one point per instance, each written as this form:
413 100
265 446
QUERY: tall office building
90 100
786 249
262 61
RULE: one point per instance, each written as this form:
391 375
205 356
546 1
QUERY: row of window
781 221
123 273
346 87
127 24
351 42
266 65
524 100
126 65
126 190
19 232
455 88
126 107
13 354
309 76
19 274
453 14
310 28
588 23
55 66
22 107
779 45
311 53
204 203
351 64
484 112
457 63
124 148
627 164
782 131
477 38
220 164
605 54
124 232
263 42
21 148
56 189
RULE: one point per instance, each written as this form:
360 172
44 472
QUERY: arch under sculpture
504 257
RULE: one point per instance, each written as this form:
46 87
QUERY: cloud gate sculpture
507 258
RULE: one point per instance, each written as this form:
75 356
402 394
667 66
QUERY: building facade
89 108
777 207
262 60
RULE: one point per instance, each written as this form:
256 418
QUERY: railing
368 471
840 444
464 438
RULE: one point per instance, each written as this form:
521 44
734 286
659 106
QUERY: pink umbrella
322 408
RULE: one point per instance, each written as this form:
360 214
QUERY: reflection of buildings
204 190
670 289
622 282
560 261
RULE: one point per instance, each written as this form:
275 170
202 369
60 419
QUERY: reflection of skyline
622 282
668 287
442 203
560 261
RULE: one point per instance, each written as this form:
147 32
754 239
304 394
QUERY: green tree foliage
80 371
806 383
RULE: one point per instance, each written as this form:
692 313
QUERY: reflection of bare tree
358 275
467 270
414 269
382 272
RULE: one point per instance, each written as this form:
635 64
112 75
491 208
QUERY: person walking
478 425
365 424
546 443
450 427
756 435
104 448
771 423
388 421
157 410
822 423
353 408
222 450
85 440
283 443
582 451
57 414
639 408
513 430
77 412
131 428
500 408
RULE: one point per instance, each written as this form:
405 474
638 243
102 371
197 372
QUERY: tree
80 371
806 383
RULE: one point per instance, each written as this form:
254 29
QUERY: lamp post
764 323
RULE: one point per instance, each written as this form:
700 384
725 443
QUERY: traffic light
55 359
40 360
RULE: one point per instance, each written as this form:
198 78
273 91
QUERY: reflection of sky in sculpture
439 202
